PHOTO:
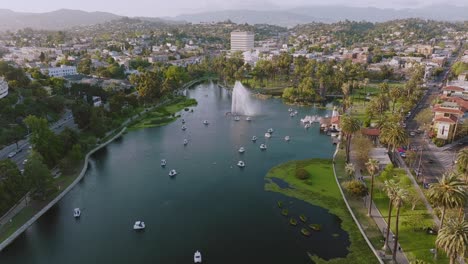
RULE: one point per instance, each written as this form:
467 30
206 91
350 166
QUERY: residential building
3 88
242 40
61 71
446 117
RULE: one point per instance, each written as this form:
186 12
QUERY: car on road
403 154
25 161
412 133
12 154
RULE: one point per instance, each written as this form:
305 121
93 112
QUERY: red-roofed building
455 91
446 117
371 133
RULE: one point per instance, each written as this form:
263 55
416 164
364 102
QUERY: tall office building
242 41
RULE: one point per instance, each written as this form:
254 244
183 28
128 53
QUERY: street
23 145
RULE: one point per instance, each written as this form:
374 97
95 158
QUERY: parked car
412 133
11 154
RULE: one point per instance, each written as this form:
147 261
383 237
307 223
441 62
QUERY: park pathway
379 219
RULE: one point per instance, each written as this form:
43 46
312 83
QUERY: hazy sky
174 7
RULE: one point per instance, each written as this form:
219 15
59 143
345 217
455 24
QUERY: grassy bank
320 189
414 240
164 114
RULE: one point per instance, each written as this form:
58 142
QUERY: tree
148 85
450 192
395 94
394 135
414 199
42 57
399 198
349 125
462 163
390 187
350 170
84 66
361 146
13 185
81 114
43 140
453 239
356 188
39 175
372 167
424 118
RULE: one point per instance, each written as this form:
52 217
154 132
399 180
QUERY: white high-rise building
242 41
3 88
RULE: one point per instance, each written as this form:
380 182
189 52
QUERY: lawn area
358 207
164 114
22 217
413 239
320 189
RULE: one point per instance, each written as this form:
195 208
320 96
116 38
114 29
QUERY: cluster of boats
292 112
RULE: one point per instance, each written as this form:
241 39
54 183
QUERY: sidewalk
380 220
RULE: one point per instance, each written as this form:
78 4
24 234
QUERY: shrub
302 174
438 142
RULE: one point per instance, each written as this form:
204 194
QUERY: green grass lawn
162 115
415 243
20 219
321 190
358 207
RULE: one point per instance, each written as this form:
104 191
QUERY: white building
61 71
3 88
242 40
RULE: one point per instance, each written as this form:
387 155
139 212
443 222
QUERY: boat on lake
254 138
270 130
163 162
267 135
205 122
241 164
248 118
76 212
241 150
139 225
263 146
287 138
185 142
184 127
197 257
236 118
173 173
307 126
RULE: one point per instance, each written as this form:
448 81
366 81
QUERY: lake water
211 205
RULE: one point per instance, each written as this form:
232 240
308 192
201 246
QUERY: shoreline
31 221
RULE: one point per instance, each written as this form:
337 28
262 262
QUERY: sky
165 8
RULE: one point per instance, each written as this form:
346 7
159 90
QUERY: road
23 145
431 160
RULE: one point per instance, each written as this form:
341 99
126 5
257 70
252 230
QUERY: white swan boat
270 130
185 142
248 118
183 121
184 127
267 135
292 114
163 162
197 257
254 138
287 138
263 146
290 109
205 122
241 164
76 212
307 126
236 118
241 150
139 225
173 173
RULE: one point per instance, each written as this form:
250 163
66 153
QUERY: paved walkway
380 220
13 211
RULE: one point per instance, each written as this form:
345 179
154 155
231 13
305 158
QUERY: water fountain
242 103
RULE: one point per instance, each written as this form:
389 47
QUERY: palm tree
349 126
390 187
394 135
449 192
372 167
462 163
399 198
350 170
453 239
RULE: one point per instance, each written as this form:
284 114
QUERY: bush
302 174
439 142
355 188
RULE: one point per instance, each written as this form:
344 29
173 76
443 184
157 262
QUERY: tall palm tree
462 163
400 196
349 125
449 192
391 188
394 135
350 170
453 239
372 167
